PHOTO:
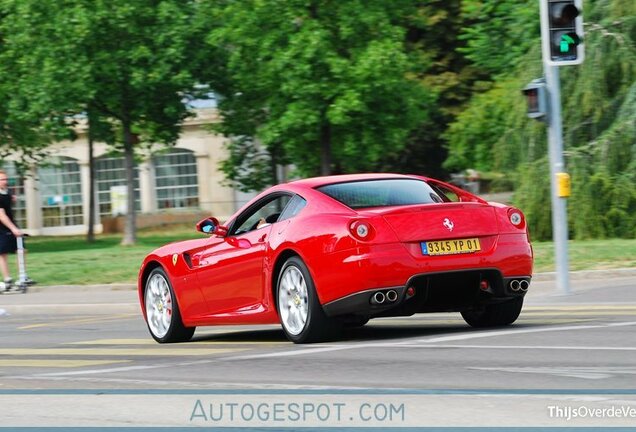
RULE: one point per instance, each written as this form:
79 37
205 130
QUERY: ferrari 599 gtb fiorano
319 254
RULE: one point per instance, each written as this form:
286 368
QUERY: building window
61 193
16 186
110 172
176 179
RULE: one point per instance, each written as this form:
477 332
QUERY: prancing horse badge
174 259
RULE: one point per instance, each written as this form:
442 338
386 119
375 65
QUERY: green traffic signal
562 31
566 42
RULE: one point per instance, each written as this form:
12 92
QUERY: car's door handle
262 239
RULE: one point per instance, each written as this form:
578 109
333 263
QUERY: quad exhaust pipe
519 285
391 296
381 297
378 298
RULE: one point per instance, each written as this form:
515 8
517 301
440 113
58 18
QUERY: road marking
149 341
491 333
471 335
117 351
578 313
460 321
571 372
78 321
123 369
146 341
338 347
206 386
40 363
517 347
582 307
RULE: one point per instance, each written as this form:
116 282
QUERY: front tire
162 311
300 312
498 314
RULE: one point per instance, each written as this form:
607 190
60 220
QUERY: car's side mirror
211 226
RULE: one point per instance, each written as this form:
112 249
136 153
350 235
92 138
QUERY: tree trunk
130 228
325 148
90 235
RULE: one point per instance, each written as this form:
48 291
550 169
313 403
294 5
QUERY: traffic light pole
559 204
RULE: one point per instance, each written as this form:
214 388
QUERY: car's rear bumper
450 291
360 272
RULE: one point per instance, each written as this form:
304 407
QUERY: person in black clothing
8 230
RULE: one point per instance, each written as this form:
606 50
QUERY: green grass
72 261
588 254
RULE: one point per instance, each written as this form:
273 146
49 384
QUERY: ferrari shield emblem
174 259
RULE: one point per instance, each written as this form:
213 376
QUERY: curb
536 277
76 288
587 274
42 310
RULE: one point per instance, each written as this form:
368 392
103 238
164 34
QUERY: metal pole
559 205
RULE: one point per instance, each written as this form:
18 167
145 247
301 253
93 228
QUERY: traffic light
536 95
562 32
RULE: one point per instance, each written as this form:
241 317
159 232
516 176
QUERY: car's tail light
361 230
516 218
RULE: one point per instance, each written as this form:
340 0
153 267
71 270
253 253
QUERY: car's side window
445 194
262 215
294 207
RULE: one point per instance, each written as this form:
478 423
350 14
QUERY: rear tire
301 315
498 314
162 310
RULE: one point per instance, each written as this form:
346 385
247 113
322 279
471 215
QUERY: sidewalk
123 298
91 299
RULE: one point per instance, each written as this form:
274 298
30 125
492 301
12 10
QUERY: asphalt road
582 344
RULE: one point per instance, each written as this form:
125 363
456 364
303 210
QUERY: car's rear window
381 193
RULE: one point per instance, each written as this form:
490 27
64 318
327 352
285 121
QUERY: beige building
54 198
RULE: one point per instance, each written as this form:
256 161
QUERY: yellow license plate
451 247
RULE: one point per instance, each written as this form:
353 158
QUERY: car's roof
321 181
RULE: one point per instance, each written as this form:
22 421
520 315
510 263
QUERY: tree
433 38
326 85
23 131
599 121
127 63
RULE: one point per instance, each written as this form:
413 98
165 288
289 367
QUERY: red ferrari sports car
322 253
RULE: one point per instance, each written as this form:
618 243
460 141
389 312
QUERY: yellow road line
55 363
77 321
149 341
117 351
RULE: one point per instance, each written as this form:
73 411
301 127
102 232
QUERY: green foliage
599 123
498 33
25 128
316 74
432 40
127 64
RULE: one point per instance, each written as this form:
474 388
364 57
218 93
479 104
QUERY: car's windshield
381 193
